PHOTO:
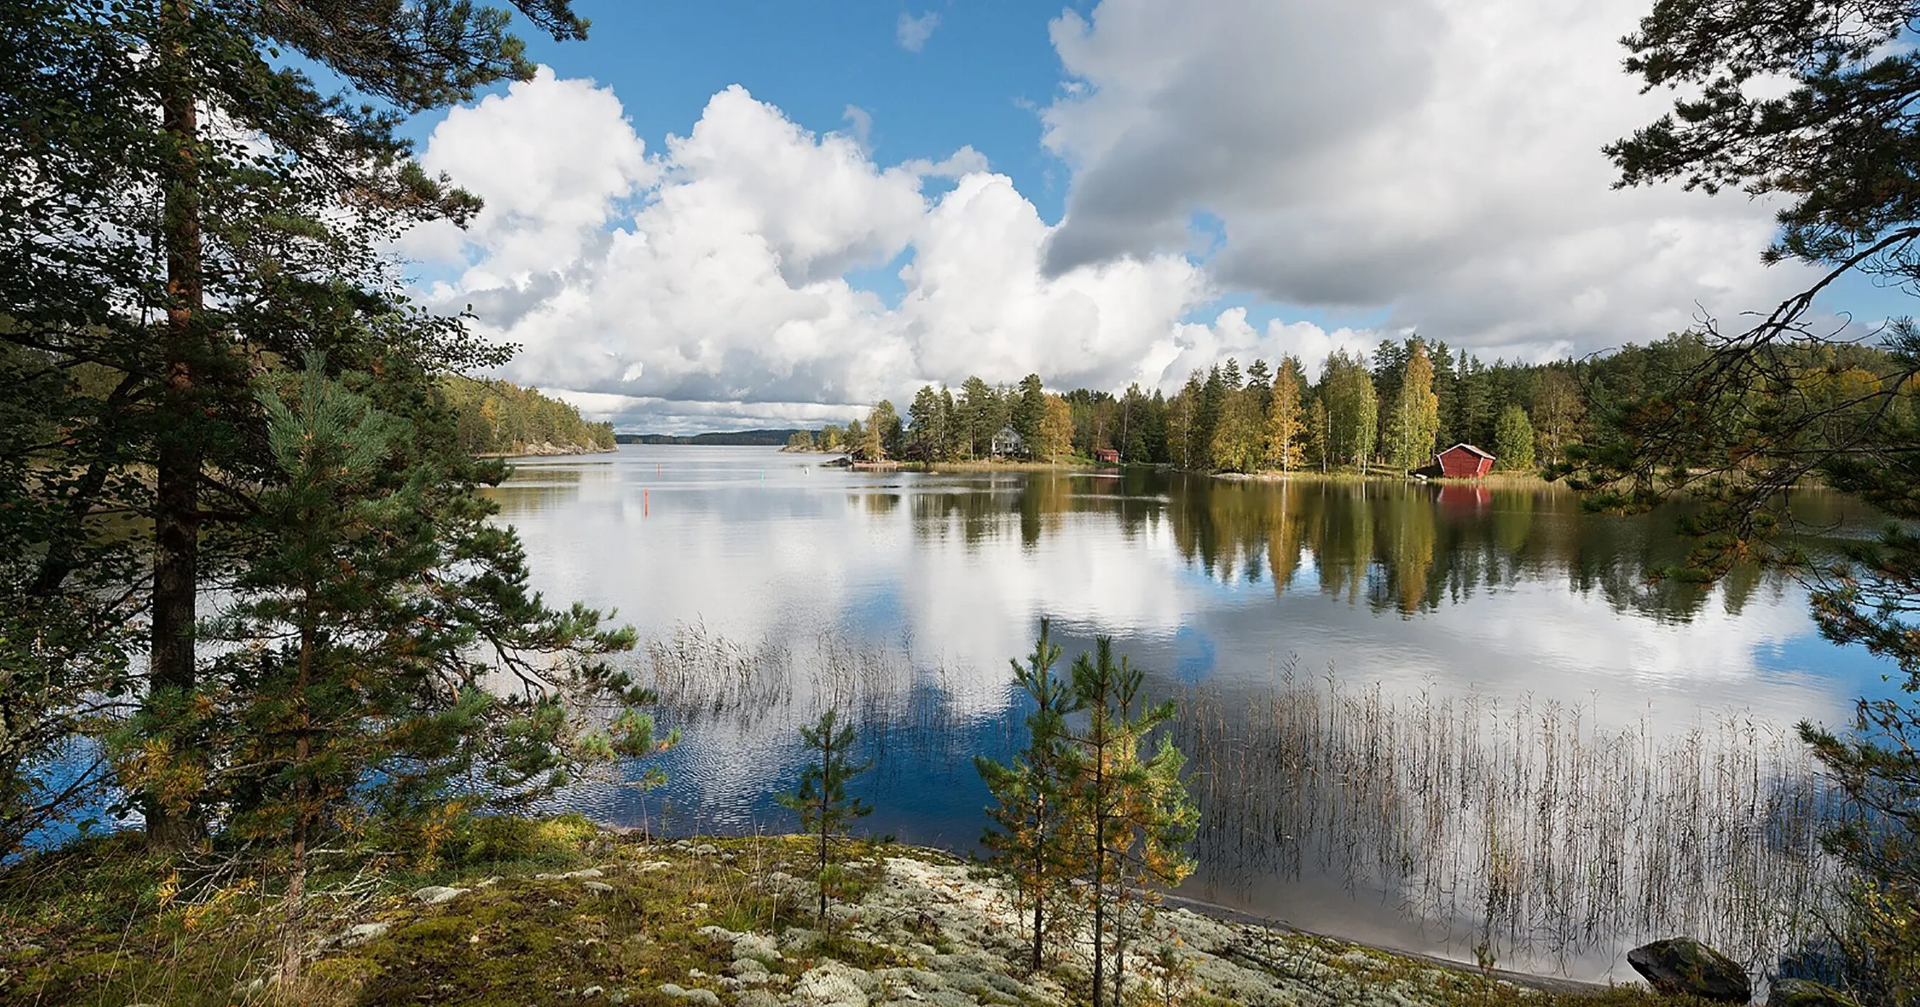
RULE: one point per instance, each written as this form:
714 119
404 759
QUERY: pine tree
1132 815
926 426
188 257
356 649
1027 409
884 426
1206 418
957 442
1030 838
821 798
1260 379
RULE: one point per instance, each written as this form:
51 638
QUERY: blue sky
979 78
1101 192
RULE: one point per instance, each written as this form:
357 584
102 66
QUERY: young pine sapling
821 799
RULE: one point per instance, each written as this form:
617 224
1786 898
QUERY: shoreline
563 910
1492 480
549 451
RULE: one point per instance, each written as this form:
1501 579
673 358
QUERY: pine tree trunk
176 533
290 955
1099 868
826 765
1037 947
1039 896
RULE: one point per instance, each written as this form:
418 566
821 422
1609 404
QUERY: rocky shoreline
719 922
926 928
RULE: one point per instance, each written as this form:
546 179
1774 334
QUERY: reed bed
1519 828
700 675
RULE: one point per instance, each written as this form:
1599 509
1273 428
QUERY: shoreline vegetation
499 419
506 910
1082 464
1383 414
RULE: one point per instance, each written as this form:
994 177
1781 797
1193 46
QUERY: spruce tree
1030 836
1027 410
821 797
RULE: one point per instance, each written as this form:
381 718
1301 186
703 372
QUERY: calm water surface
920 587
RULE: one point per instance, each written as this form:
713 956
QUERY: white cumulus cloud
1438 158
707 285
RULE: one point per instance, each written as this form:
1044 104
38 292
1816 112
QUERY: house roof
1469 447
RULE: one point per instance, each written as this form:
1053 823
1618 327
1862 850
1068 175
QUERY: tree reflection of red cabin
1464 461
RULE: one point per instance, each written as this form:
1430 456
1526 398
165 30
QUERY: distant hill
733 438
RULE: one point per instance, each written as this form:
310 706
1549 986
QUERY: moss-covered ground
561 912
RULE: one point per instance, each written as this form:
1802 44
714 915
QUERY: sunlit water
923 586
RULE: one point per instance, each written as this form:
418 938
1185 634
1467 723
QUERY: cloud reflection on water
1500 591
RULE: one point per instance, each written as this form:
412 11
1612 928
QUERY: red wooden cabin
1106 456
1464 461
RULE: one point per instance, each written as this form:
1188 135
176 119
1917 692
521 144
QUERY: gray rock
594 991
597 887
1806 993
833 984
591 872
757 998
799 938
434 895
1682 965
361 933
705 850
758 946
707 998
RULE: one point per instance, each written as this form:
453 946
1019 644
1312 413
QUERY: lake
1404 704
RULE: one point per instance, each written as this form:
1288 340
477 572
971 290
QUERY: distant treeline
1392 408
501 418
731 438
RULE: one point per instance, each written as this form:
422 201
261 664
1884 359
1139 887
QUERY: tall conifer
1030 838
1132 815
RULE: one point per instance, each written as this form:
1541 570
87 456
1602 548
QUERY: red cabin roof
1464 461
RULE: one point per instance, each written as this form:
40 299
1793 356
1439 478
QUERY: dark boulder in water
1682 965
